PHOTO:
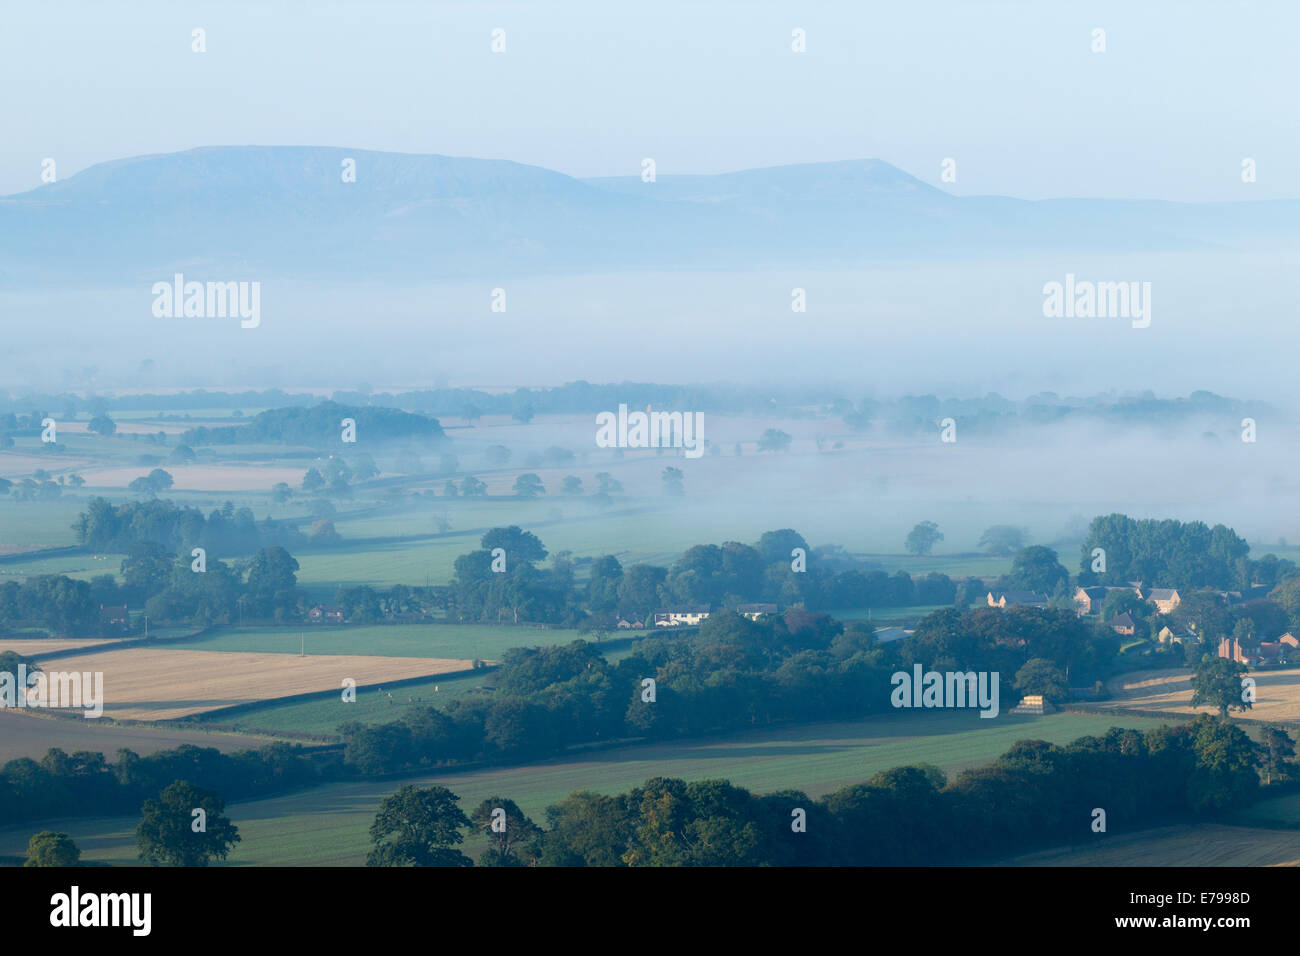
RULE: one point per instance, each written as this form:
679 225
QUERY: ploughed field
169 683
28 734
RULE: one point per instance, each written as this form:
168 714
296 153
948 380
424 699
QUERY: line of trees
1173 554
263 587
85 783
225 531
319 426
733 673
1037 794
720 575
61 605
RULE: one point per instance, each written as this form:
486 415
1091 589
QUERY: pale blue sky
1010 90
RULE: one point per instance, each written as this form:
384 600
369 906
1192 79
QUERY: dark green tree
1039 676
1277 751
513 839
171 833
48 848
1217 683
1036 568
419 826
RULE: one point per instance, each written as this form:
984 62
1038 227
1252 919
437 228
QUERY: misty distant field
864 496
328 825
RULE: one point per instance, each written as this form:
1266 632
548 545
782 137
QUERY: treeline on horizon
21 414
321 424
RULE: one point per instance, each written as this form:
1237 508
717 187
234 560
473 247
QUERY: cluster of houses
1090 600
1284 650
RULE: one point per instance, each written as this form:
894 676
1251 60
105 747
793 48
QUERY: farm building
1033 704
752 611
1273 652
114 618
1089 600
1165 599
325 614
678 616
1231 648
1168 634
1016 599
1124 624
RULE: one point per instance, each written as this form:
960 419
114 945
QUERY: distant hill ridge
264 212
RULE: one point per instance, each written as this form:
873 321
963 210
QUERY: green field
1281 812
371 707
39 524
459 641
328 825
406 547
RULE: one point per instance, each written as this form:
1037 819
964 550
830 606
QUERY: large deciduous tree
419 826
172 833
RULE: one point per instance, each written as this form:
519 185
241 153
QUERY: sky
1012 91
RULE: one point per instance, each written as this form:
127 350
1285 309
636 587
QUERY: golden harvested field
1202 844
1277 693
35 646
202 477
157 684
